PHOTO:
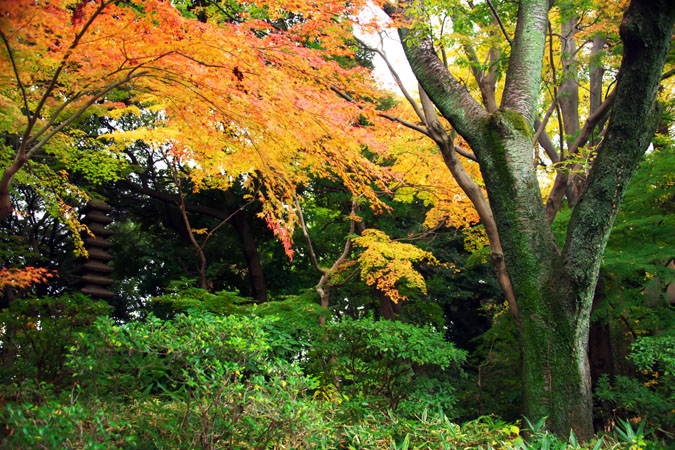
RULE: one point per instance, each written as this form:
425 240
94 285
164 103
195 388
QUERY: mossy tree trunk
554 289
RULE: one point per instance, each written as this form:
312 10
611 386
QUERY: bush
36 335
290 336
648 395
385 364
56 425
198 381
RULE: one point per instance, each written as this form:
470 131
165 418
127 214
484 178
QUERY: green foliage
294 318
55 425
388 364
540 438
198 381
427 432
36 336
494 384
211 381
635 265
649 352
649 394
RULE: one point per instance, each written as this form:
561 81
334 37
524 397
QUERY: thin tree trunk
597 72
568 94
248 246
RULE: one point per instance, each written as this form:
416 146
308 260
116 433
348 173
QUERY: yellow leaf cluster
386 263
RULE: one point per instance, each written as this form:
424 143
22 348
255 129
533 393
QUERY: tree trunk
554 291
597 71
568 94
249 249
646 31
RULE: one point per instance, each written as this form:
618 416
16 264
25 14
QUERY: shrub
36 334
649 394
389 364
198 381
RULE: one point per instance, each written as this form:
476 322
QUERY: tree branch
310 247
499 21
16 74
405 123
394 74
78 113
523 77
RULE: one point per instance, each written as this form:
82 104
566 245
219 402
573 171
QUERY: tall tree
553 288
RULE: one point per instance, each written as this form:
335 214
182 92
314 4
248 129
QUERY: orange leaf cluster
387 264
237 100
23 278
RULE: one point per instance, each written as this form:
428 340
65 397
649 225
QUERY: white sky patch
388 41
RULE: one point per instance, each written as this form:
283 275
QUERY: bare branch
397 79
303 227
79 112
16 74
404 122
499 21
542 124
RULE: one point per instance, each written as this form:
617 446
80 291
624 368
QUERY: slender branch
303 227
499 21
82 109
464 153
16 74
544 121
223 222
592 121
554 201
405 123
183 212
54 116
172 199
347 278
396 77
668 74
62 66
547 143
352 224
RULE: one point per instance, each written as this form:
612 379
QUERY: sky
389 41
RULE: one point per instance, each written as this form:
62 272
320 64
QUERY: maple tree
329 277
553 288
230 94
24 277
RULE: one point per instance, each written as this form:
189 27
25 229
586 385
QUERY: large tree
553 287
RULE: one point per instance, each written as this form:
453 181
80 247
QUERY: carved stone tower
93 273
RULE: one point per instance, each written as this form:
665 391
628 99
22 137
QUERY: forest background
301 259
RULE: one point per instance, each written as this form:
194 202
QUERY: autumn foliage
23 278
231 95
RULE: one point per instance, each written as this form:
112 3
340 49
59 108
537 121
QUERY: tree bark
240 222
646 33
554 291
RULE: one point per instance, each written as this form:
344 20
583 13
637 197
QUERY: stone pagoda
93 273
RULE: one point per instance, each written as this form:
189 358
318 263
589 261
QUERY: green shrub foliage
36 335
384 364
